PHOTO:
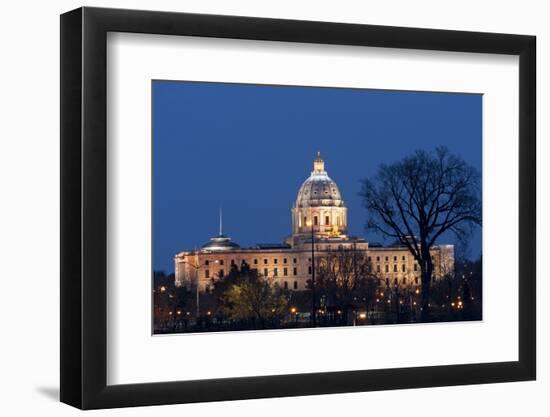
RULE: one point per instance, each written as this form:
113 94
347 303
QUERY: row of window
387 258
276 271
403 268
221 272
255 261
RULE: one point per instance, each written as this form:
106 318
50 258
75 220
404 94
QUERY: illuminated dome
319 205
220 243
319 189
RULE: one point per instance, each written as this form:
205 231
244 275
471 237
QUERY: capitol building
319 212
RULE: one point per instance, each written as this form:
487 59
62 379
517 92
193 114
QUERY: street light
197 267
314 301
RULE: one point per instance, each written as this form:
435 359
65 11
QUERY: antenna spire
221 221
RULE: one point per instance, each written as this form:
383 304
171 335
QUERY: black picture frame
84 207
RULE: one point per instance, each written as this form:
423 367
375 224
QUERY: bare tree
418 199
341 278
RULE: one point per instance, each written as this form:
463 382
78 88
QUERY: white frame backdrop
133 60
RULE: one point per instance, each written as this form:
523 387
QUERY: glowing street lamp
309 223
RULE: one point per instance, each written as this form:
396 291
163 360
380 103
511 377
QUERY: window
309 270
221 273
377 268
415 266
315 220
232 262
255 262
295 260
369 259
275 272
395 258
207 273
295 285
275 260
387 281
305 220
221 261
284 260
404 280
309 259
285 272
295 271
395 281
265 272
402 258
394 267
416 280
403 268
387 268
378 258
327 220
387 259
265 261
286 285
207 262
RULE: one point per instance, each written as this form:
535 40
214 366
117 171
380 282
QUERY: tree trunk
427 270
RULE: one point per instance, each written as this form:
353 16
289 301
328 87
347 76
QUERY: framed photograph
257 208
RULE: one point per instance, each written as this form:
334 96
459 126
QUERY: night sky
248 148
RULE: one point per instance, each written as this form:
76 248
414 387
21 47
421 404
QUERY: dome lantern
319 204
319 164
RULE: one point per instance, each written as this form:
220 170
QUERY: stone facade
320 211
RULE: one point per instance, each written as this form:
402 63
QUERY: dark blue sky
248 148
